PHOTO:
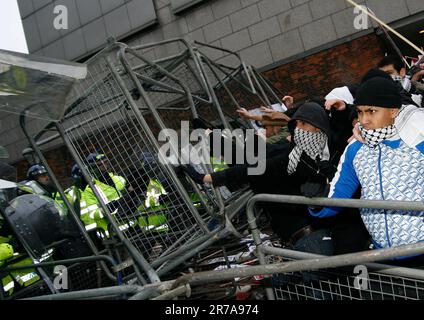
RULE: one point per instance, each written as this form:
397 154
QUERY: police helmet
35 170
78 177
94 157
76 172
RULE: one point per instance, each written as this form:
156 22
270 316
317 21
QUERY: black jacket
349 233
287 219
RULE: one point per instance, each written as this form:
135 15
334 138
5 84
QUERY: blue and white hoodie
390 171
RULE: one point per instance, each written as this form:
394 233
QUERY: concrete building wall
267 33
72 29
263 32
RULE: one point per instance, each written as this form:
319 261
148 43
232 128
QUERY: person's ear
394 112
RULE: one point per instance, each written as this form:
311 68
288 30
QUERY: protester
385 168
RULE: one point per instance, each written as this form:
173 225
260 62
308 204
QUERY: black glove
327 169
313 190
192 173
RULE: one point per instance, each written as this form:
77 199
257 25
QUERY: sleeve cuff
323 213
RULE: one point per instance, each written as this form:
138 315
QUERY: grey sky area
12 36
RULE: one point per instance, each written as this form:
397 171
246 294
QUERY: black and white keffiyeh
314 144
404 81
374 136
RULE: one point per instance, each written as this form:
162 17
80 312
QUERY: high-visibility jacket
6 252
108 194
24 277
90 210
152 217
111 193
195 199
218 164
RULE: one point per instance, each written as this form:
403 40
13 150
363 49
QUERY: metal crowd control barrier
105 118
190 85
384 281
107 115
41 96
392 283
217 90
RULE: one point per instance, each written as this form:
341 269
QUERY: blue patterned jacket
391 171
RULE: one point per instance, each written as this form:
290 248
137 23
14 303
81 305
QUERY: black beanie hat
378 92
312 113
372 73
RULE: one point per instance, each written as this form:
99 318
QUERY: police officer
109 183
38 173
11 258
111 188
152 218
85 202
6 252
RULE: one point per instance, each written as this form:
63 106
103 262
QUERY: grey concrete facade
266 33
279 28
72 29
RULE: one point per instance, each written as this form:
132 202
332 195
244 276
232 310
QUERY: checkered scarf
314 144
404 81
375 136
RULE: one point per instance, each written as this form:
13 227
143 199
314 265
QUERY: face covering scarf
312 143
404 81
374 136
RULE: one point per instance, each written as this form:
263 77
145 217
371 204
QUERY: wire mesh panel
216 90
343 284
235 88
83 276
140 191
213 86
171 86
37 289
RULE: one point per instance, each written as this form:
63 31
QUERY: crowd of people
363 141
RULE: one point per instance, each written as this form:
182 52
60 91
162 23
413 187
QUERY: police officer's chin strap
83 185
51 190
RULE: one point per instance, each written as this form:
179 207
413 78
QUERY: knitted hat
313 114
379 92
372 73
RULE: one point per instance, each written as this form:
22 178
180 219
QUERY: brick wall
59 160
315 75
319 73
